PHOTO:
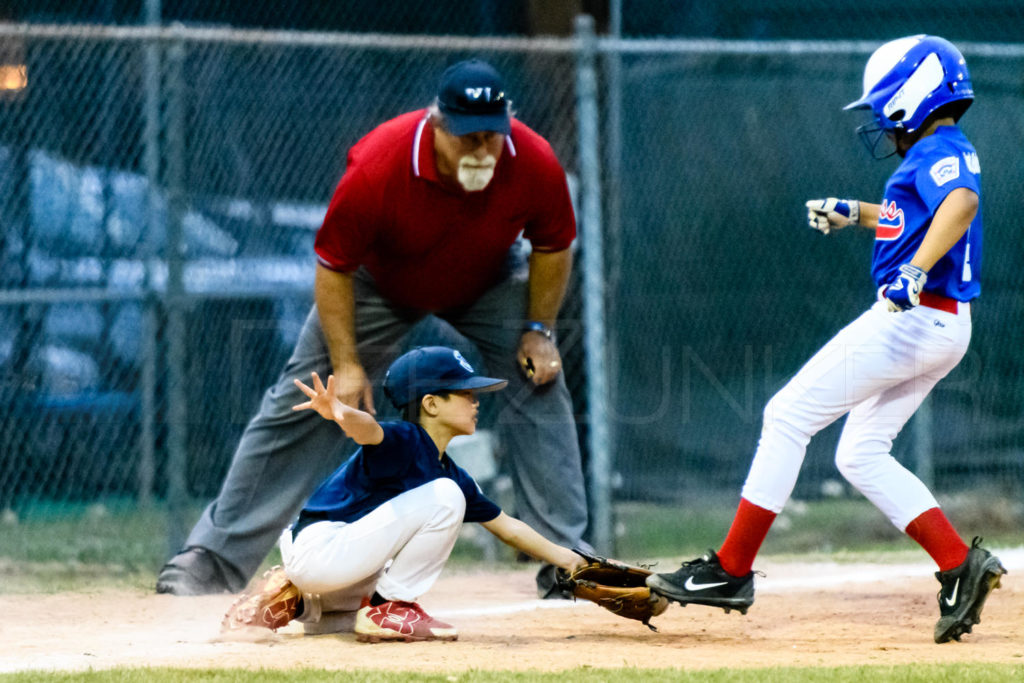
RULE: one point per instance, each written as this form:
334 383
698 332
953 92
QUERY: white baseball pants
879 369
336 564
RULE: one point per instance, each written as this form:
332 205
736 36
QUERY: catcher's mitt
619 588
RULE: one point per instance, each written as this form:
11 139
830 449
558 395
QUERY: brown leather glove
619 588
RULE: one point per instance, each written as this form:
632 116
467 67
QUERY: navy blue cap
472 98
430 370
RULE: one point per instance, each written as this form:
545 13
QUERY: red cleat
399 621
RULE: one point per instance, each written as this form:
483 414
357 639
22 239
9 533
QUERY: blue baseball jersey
406 459
935 166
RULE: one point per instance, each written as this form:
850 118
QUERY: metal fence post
177 331
146 472
599 463
612 174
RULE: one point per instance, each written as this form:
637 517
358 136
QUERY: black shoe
549 587
964 590
704 582
193 571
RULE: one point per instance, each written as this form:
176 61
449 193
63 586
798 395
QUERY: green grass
117 544
837 528
57 548
914 673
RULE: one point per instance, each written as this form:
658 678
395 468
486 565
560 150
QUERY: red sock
749 527
932 530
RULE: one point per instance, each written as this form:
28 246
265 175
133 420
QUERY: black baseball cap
430 370
472 98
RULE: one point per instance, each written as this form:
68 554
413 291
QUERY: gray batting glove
826 215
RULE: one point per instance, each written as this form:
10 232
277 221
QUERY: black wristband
537 326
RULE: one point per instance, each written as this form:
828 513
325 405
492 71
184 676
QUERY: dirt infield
805 615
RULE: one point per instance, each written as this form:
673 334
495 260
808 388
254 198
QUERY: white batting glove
904 292
826 215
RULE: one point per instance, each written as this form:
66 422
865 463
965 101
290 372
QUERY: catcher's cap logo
463 362
432 370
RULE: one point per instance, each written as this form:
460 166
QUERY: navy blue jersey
406 459
933 167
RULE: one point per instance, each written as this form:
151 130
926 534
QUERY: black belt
307 517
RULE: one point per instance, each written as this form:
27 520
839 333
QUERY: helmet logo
926 78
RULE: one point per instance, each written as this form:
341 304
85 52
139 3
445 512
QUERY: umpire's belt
307 517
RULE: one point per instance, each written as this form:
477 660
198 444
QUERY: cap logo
462 361
486 93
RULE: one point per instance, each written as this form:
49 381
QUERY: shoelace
706 559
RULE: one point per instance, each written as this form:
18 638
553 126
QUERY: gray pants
283 454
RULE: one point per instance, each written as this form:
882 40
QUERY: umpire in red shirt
422 223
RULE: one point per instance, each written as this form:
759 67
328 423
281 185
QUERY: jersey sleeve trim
550 250
333 267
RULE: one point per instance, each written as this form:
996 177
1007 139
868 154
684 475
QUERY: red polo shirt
433 247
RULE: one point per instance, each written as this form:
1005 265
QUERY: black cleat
193 571
964 590
704 582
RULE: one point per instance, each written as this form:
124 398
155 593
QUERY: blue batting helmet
908 79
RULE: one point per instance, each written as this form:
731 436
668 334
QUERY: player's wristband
538 326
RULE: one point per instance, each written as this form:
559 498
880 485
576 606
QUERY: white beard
476 174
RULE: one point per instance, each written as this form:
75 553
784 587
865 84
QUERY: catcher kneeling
376 534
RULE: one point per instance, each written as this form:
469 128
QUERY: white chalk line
811 576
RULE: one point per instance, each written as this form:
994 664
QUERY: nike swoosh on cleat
951 600
691 586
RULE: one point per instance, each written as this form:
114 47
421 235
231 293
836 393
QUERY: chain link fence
960 20
161 193
160 189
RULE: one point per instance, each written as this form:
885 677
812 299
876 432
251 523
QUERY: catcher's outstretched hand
321 399
358 425
616 586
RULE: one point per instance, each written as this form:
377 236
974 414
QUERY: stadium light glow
13 77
